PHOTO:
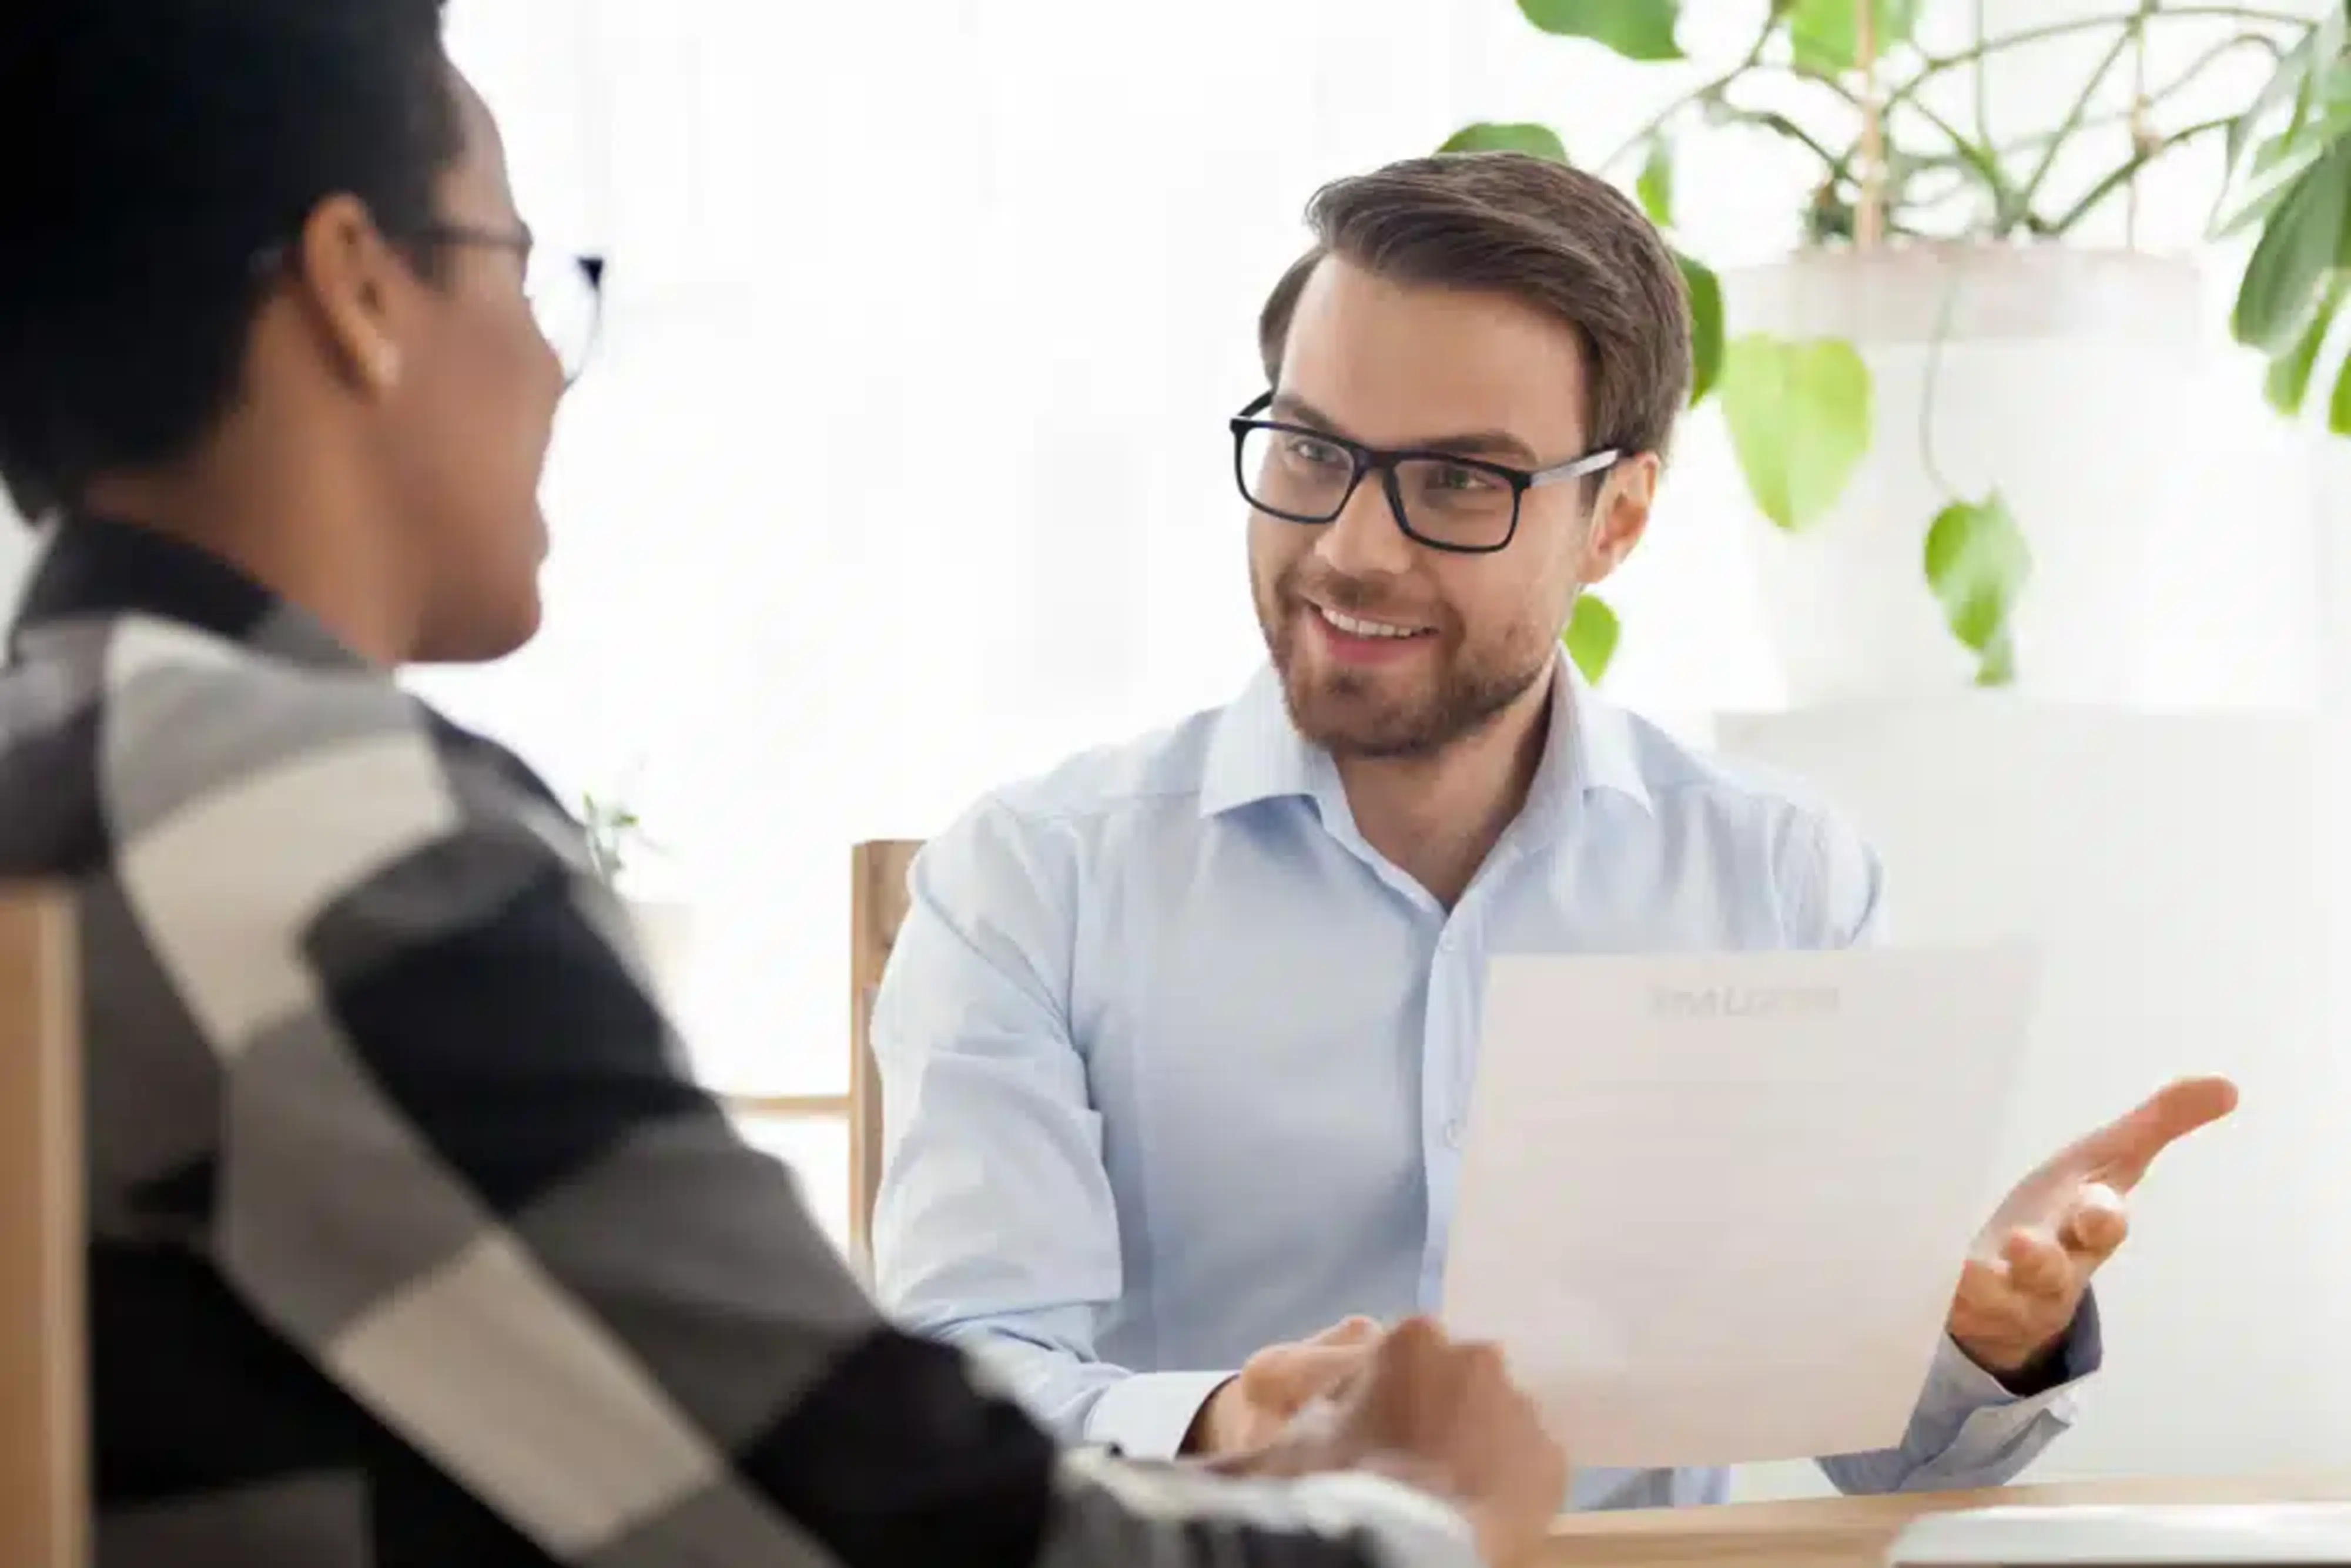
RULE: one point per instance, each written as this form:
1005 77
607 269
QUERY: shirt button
1452 1134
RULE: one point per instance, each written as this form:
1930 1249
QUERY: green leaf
2287 84
1799 419
1979 564
1826 38
1488 136
2338 407
1591 636
2301 241
2288 381
1656 185
1705 324
2264 203
1637 29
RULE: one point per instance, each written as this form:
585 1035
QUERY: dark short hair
1554 237
150 150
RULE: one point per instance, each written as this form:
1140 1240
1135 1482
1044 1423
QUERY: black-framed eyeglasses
1441 499
566 292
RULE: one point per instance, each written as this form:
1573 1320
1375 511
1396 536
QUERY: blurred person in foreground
1177 1041
411 1243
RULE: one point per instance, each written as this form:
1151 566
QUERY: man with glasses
1177 1042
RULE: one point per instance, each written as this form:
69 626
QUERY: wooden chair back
44 1421
877 907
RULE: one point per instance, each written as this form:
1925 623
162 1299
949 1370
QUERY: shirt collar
1593 739
90 567
1256 753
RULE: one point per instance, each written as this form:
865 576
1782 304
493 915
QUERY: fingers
1284 1378
1357 1330
2037 1265
2097 1224
2031 1275
2128 1147
2010 1308
1472 1436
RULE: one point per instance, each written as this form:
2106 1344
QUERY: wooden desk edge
1857 1529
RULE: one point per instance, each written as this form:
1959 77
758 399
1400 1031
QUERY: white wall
2181 876
903 469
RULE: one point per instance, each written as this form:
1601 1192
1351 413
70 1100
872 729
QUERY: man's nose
1364 539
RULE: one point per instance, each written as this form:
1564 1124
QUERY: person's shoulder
205 732
1147 772
1737 812
1040 835
1686 778
1148 775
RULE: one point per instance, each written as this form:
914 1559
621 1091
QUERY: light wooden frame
44 1379
877 907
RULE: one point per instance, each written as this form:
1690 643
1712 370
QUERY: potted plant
1944 404
664 927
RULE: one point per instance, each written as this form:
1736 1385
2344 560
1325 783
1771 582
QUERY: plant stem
1963 150
2011 208
1936 65
2013 214
1982 83
1869 211
2072 122
2138 129
1768 120
2065 221
2156 100
1934 376
1714 88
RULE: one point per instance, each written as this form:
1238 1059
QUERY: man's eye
1458 478
1314 454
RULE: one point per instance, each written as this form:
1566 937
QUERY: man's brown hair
1549 235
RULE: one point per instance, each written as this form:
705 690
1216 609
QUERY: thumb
1356 1329
2125 1150
1291 1375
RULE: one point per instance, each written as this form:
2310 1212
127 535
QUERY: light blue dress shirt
1176 1064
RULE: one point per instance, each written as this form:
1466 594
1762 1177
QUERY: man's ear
353 280
1620 515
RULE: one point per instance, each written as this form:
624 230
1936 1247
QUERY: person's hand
1248 1411
1446 1419
2024 1279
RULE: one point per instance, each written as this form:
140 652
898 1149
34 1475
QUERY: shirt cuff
1957 1382
1146 1415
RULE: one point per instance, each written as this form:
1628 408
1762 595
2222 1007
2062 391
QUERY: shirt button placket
1442 1078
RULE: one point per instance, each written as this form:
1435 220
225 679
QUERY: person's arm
1969 1429
463 1171
997 1228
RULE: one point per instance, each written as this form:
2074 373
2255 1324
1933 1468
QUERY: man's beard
1349 714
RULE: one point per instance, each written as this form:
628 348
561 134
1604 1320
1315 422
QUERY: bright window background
902 468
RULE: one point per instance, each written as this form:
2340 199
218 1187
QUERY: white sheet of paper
1713 1208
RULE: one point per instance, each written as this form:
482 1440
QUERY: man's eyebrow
1494 443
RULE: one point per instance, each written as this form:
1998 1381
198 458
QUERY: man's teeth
1355 627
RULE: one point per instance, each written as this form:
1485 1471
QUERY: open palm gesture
2025 1277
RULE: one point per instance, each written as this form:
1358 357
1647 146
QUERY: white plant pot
665 934
2067 379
